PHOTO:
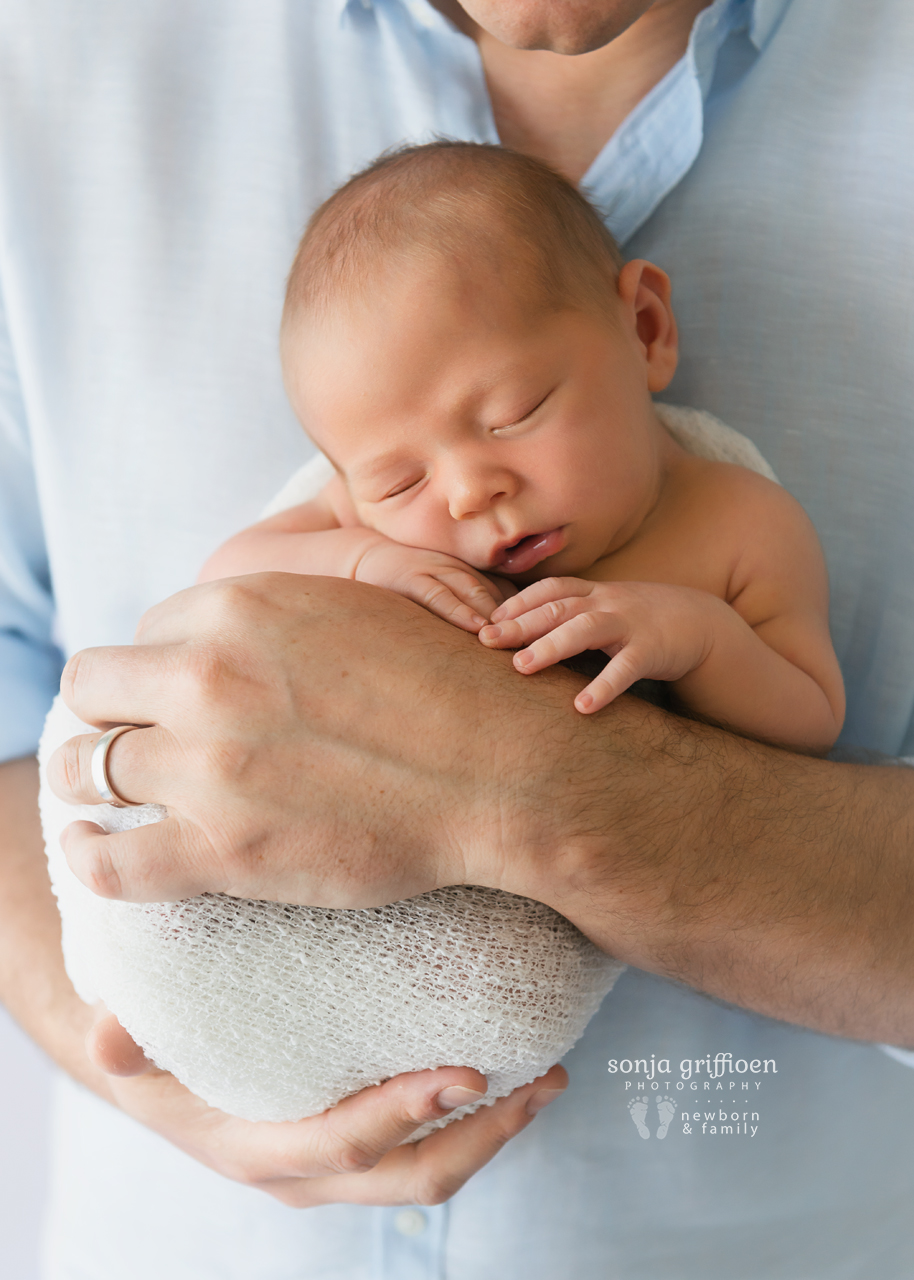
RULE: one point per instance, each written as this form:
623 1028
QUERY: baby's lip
523 555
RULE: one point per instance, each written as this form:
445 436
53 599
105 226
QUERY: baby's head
461 339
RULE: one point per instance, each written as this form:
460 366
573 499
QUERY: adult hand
350 1153
287 716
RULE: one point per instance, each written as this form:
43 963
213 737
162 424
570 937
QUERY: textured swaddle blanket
274 1012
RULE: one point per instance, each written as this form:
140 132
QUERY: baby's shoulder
732 498
762 540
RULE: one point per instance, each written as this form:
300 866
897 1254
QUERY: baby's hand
649 630
442 584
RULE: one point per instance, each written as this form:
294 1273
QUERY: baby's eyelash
405 488
529 414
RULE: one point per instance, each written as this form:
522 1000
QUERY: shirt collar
422 13
766 14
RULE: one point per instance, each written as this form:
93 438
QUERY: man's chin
568 27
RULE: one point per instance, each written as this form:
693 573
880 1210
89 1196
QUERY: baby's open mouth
529 551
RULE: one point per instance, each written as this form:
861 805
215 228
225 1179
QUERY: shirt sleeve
30 662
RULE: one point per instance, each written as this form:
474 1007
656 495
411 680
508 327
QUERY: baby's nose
470 495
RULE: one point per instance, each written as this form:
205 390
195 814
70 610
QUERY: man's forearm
33 983
778 882
359 750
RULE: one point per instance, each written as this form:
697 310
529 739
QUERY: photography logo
703 1082
638 1110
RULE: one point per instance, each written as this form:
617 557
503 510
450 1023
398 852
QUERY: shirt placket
409 1243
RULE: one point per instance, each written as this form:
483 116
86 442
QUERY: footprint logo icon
638 1111
666 1109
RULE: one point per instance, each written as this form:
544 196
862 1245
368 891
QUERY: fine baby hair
462 203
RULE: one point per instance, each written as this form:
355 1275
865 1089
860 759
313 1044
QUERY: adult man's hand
322 741
300 757
351 1153
347 1154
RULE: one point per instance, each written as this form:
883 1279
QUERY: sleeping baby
464 344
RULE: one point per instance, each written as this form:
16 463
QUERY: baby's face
523 445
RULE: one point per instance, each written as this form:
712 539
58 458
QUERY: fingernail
524 658
541 1099
498 613
583 701
457 1096
478 620
492 633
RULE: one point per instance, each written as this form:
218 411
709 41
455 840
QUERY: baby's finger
540 593
438 598
586 631
512 633
477 595
619 674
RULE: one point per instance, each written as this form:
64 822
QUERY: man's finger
113 1050
132 765
125 684
431 1171
162 862
360 1131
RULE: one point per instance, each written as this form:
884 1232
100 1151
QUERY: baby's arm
760 662
323 537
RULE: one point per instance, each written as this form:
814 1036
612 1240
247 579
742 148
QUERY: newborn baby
462 341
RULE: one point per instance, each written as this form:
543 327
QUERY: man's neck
564 110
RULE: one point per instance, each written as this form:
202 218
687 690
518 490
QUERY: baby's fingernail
541 1099
583 702
457 1096
524 658
478 620
499 613
491 633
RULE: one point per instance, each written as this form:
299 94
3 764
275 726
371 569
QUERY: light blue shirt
157 162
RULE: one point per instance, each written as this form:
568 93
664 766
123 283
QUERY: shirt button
410 1222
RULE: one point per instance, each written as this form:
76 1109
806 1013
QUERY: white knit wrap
274 1012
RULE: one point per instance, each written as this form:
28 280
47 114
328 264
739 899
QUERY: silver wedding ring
100 777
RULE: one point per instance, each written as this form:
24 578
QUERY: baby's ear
644 292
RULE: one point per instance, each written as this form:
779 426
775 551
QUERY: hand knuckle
69 769
343 1153
354 1158
72 675
435 1187
101 876
200 673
